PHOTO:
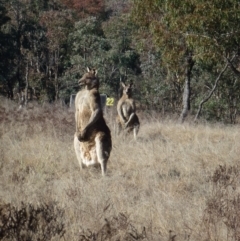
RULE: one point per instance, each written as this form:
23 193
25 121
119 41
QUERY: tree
99 44
87 47
122 61
190 32
25 35
58 25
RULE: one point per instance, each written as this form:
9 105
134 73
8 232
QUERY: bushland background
181 56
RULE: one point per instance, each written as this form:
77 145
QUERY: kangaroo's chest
83 109
84 103
127 108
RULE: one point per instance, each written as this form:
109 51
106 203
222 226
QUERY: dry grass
157 184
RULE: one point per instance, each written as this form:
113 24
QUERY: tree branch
213 89
232 67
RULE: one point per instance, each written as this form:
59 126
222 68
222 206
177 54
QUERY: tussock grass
161 182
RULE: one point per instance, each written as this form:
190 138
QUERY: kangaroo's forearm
93 119
120 114
130 118
77 120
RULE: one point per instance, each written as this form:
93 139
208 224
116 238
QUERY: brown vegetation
173 188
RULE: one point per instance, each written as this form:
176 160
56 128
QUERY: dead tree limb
213 89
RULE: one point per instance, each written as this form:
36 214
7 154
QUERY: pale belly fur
88 155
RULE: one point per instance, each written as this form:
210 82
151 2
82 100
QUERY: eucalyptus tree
190 32
162 20
27 37
105 46
17 13
105 41
87 47
38 31
122 61
58 23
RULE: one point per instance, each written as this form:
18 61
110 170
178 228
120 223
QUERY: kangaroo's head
127 89
89 79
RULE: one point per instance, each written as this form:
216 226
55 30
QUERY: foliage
223 106
88 48
203 27
122 60
47 45
190 30
31 223
103 46
6 52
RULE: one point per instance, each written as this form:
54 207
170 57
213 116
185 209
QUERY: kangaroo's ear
95 72
123 85
131 85
88 69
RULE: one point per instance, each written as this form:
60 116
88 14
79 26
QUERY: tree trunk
27 85
23 95
10 90
235 71
56 83
187 89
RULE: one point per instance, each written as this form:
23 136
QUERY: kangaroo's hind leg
135 131
133 124
103 149
78 150
119 127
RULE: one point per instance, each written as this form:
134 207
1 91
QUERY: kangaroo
92 139
127 119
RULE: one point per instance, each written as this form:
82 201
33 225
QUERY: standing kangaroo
127 119
92 140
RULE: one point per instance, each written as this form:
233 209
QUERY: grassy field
176 182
